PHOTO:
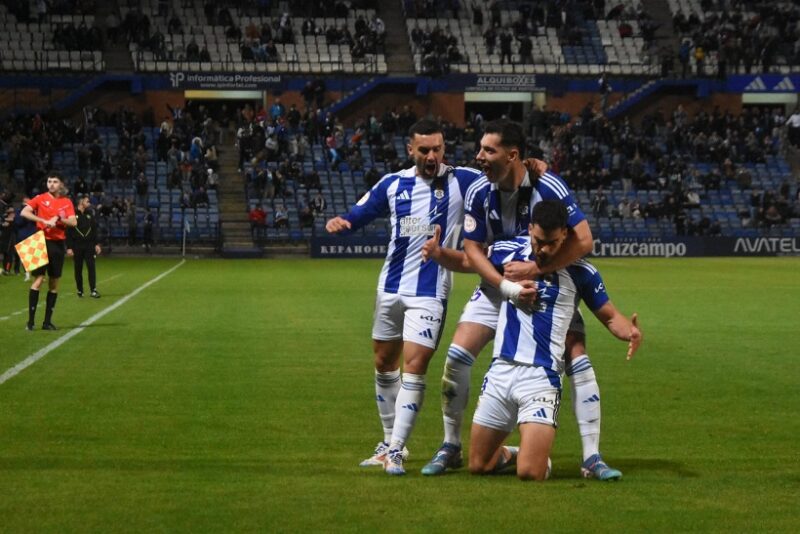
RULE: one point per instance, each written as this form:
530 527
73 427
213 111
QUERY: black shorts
56 250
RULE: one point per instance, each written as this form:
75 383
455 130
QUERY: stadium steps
116 55
237 241
399 59
660 12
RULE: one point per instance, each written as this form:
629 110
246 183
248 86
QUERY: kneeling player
523 384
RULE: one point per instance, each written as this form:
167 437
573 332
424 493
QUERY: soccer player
412 295
82 243
523 384
499 207
52 212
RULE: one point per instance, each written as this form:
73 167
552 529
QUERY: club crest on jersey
439 194
523 210
363 200
469 223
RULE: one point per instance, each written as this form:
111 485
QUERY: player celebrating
52 212
498 208
412 295
523 384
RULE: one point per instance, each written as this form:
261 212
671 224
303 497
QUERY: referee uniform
82 241
52 213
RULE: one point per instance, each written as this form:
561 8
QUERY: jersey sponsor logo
427 334
493 215
46 203
363 200
430 318
403 195
412 226
469 223
599 288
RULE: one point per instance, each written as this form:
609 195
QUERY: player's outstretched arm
453 260
337 224
622 327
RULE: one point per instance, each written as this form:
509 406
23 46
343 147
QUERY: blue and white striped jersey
414 205
538 338
493 215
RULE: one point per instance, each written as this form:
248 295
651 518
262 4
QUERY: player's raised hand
516 271
337 224
636 336
431 249
535 166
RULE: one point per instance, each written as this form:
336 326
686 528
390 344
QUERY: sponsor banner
505 83
349 247
764 83
223 80
697 246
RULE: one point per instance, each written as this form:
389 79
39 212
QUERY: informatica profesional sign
223 80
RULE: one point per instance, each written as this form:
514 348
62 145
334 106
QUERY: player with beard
497 208
412 295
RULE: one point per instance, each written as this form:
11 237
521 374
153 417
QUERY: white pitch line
6 317
38 355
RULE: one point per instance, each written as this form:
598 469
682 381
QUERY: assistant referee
82 244
52 212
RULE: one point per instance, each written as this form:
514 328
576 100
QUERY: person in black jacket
82 244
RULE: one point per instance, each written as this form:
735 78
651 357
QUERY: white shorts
514 393
416 319
483 308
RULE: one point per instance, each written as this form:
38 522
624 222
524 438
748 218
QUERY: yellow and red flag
33 252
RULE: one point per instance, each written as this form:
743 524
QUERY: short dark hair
550 215
424 127
54 174
511 134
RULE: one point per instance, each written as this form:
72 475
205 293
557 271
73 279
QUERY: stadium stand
53 42
541 39
710 174
194 37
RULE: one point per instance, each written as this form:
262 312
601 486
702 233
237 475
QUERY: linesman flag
33 252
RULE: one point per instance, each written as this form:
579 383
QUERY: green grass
237 396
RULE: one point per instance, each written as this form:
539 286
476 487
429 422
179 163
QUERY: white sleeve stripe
472 191
553 183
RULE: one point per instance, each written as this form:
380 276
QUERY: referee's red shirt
46 206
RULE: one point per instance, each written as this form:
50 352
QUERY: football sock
387 385
409 403
455 391
33 302
585 403
51 303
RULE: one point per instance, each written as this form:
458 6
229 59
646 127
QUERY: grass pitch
237 396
